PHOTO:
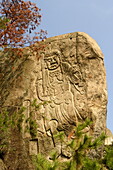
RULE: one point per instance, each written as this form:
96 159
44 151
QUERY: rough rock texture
2 166
109 139
70 74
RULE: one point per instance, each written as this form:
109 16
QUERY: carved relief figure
59 74
52 61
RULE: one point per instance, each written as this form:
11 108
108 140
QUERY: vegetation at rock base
8 122
15 120
79 143
108 157
5 125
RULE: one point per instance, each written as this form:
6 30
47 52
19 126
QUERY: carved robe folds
70 77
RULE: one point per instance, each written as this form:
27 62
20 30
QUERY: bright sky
93 17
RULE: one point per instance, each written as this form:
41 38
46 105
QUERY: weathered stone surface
109 139
2 165
70 74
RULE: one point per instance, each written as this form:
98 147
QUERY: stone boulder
69 76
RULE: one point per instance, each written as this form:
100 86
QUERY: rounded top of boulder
81 37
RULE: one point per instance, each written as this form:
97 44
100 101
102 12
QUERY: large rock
70 76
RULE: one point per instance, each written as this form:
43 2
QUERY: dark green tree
80 145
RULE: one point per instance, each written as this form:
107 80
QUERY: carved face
52 61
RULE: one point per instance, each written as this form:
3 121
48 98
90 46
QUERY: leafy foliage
42 163
31 127
5 125
3 22
80 145
8 122
89 164
31 121
108 158
19 19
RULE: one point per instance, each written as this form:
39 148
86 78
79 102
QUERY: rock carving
70 77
